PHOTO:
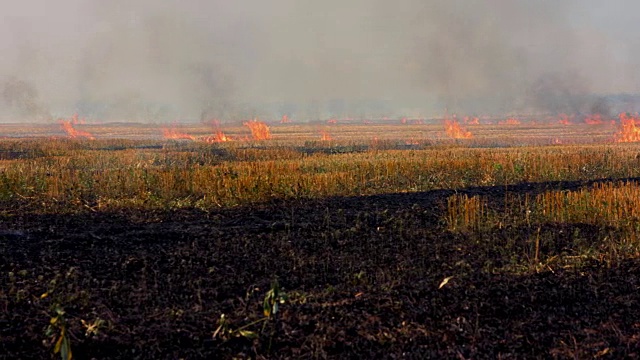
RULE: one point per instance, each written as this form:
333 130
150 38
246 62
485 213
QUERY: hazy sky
171 60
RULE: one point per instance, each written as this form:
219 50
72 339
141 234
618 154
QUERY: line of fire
623 128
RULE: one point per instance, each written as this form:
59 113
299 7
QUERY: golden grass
610 208
295 164
68 172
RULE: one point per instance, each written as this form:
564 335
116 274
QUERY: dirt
362 276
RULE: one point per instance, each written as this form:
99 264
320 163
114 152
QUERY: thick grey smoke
177 60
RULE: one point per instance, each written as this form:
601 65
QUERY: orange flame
628 130
455 131
471 120
259 130
510 121
174 134
285 119
219 136
595 119
325 136
67 126
564 119
332 121
75 120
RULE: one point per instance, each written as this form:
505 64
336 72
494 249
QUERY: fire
455 131
471 120
67 126
628 130
219 136
176 135
259 130
285 119
564 119
325 136
332 121
75 120
510 121
595 119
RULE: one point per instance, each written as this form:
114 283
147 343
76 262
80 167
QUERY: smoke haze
196 59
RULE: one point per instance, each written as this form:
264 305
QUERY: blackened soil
362 277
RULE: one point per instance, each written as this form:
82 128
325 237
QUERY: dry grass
609 209
120 173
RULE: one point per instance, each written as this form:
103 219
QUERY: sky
172 60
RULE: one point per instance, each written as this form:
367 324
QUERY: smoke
20 98
232 60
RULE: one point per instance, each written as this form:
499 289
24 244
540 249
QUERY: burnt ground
361 276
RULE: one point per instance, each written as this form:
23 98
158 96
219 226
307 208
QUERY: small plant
58 331
270 308
272 300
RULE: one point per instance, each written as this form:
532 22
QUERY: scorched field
464 239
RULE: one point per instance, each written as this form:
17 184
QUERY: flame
176 135
259 130
285 119
510 121
628 130
455 131
67 126
219 136
471 120
594 119
332 121
325 136
564 119
75 120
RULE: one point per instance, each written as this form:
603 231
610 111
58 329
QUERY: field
332 240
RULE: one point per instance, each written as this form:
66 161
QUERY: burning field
513 237
284 179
